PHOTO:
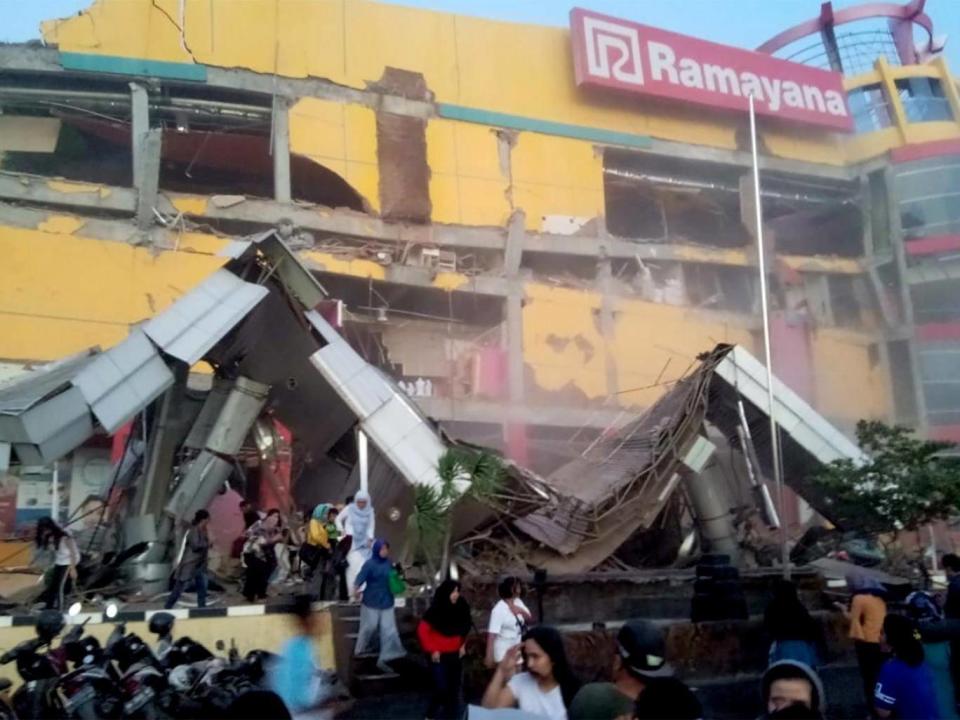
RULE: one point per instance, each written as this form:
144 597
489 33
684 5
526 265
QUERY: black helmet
162 624
49 624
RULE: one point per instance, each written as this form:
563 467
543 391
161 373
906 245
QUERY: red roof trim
922 151
947 433
933 245
933 332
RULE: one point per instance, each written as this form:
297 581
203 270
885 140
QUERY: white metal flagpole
762 263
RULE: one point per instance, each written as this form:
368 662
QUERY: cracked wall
522 70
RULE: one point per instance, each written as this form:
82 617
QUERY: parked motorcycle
38 696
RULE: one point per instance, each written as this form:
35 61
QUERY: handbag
398 585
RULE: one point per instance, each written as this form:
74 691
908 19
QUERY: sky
744 23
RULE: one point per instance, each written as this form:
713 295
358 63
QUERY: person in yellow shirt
866 614
315 550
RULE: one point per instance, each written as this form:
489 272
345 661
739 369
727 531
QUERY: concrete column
281 149
151 495
607 323
513 252
148 170
140 125
706 487
514 429
900 254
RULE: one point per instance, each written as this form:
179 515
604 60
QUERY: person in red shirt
443 633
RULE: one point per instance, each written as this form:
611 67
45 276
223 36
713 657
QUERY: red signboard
643 60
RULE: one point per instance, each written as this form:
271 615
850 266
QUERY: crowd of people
324 548
909 661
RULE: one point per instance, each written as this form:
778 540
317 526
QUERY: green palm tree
462 473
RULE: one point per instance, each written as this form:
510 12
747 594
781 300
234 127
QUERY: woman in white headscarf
358 522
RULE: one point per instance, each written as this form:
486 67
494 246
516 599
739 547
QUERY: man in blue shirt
906 691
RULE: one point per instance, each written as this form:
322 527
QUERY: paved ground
388 707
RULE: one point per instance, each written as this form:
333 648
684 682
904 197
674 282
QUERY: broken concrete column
139 126
148 170
280 148
711 503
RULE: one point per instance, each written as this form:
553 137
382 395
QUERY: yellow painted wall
658 344
469 185
654 345
341 137
264 632
561 339
848 384
556 176
518 69
60 293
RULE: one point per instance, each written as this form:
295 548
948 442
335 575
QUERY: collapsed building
533 258
323 392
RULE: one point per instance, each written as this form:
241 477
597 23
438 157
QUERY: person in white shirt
508 620
545 687
66 556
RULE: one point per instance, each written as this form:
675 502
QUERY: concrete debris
226 201
635 470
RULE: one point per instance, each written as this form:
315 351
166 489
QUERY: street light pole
765 310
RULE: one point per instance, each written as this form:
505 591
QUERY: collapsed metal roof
267 330
255 319
621 483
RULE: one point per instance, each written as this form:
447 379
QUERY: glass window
943 396
870 108
928 193
923 100
879 212
939 365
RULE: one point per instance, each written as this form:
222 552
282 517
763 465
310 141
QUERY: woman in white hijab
358 521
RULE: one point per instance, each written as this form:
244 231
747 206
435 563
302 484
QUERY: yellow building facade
512 152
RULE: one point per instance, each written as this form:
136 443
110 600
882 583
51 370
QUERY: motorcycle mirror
75 609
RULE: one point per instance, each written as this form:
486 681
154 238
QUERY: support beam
515 427
165 438
513 255
148 170
139 126
906 299
280 148
446 409
514 341
607 324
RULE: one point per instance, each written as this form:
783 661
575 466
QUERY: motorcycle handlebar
31 645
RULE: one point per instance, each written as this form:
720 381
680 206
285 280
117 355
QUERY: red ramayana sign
639 59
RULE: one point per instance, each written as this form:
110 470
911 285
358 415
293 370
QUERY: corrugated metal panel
29 388
198 320
41 415
120 382
408 442
747 375
400 433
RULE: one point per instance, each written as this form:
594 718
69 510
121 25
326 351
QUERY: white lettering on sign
665 67
619 54
606 40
